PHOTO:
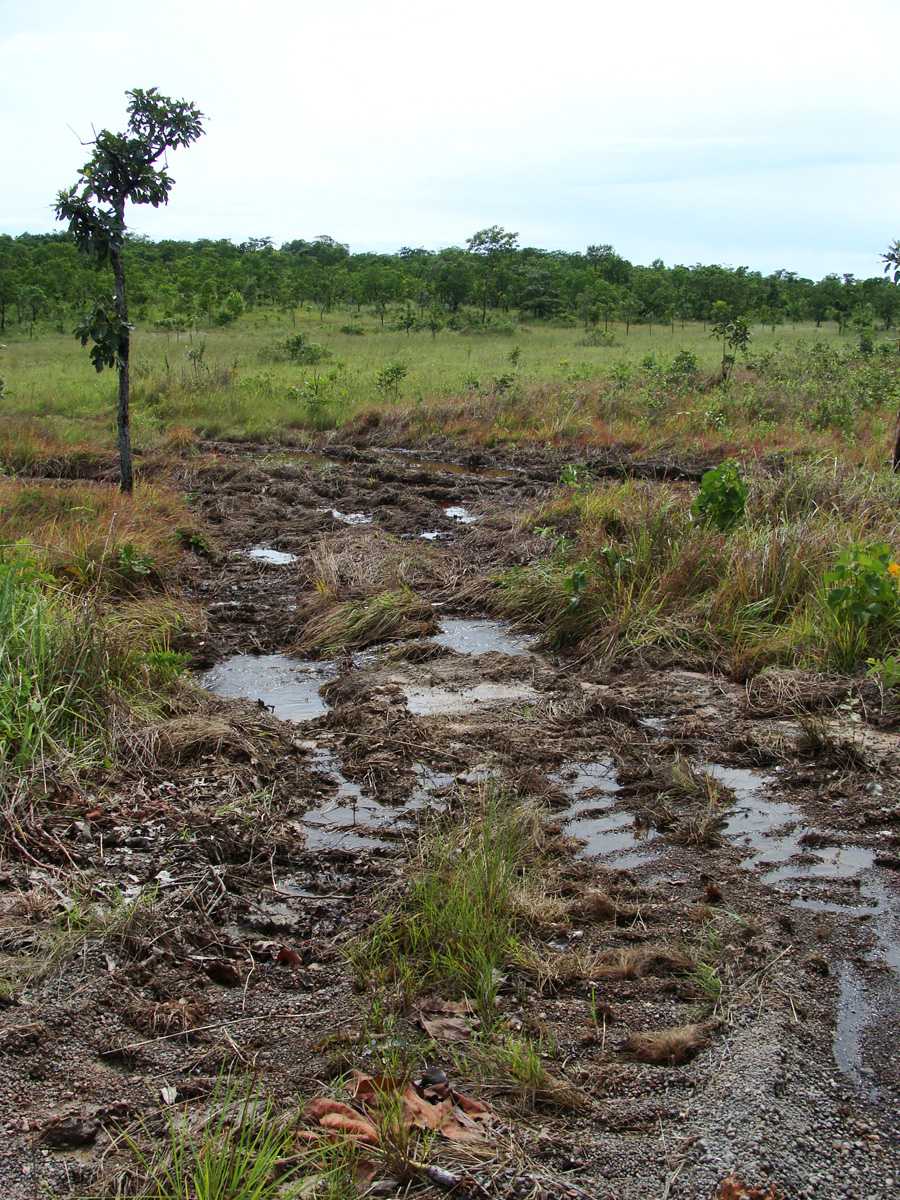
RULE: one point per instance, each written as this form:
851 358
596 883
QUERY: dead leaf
341 1118
734 1188
434 1004
447 1029
455 1116
287 957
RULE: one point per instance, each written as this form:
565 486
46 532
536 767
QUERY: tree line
44 279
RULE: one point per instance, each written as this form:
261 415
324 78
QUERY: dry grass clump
598 905
355 624
187 737
634 962
90 535
362 562
777 691
669 1047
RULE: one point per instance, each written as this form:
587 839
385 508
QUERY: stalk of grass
455 927
360 623
235 1155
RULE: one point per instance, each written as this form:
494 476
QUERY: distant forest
176 284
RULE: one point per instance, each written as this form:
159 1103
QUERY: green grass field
235 382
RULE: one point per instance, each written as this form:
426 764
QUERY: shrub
683 369
598 337
862 593
390 377
299 350
723 497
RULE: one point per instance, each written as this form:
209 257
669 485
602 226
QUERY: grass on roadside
355 624
630 567
455 927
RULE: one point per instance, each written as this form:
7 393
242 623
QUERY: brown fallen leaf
447 1029
338 1117
450 1113
286 957
734 1188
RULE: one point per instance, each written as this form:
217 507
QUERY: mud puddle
456 512
287 687
275 558
775 834
351 820
353 518
425 701
605 834
445 467
480 635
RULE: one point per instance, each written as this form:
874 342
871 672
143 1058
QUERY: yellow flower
894 569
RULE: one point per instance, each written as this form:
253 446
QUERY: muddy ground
276 819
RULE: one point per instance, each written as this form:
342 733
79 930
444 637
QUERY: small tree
735 335
122 168
892 270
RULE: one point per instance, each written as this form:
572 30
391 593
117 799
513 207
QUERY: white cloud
692 131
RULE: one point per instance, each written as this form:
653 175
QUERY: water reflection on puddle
457 513
479 636
424 701
357 518
593 787
350 820
276 558
286 686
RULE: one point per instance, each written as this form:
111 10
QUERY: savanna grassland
467 762
796 388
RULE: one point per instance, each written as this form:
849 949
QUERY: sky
763 135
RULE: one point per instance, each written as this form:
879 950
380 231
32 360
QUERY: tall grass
93 537
70 675
456 925
806 387
57 673
631 569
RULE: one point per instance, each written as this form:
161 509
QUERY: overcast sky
763 134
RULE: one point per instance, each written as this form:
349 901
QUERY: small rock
70 1129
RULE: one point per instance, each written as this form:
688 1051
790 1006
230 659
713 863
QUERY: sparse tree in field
892 270
122 169
734 333
434 320
492 246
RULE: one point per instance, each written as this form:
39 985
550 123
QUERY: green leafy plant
885 671
390 377
132 563
194 541
862 589
300 350
722 498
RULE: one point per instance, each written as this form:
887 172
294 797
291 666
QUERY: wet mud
276 831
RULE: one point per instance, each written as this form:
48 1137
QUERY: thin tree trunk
896 460
122 412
